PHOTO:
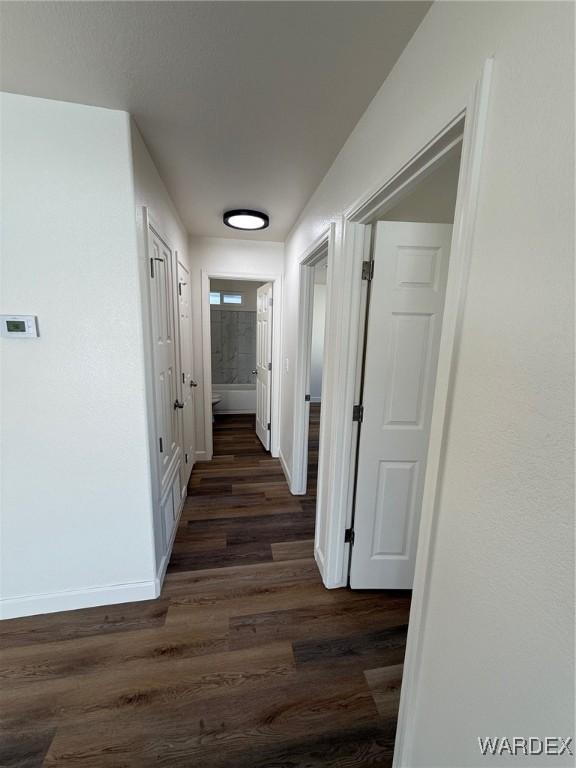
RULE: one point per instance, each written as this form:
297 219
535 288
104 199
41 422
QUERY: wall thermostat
19 326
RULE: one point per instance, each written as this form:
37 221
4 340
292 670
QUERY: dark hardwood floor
245 661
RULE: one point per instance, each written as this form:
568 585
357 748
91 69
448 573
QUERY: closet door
164 352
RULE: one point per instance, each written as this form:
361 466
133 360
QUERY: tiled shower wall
233 346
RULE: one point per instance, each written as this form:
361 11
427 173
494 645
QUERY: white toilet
216 397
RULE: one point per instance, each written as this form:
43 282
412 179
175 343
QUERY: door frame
187 464
276 280
317 252
351 243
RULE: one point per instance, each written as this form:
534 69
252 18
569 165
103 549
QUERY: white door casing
264 362
403 336
187 383
164 354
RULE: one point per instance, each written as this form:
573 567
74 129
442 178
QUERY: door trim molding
179 262
277 281
460 256
340 383
319 249
372 206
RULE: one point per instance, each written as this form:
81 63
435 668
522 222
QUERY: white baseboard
201 456
69 600
285 469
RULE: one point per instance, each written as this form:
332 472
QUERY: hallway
245 661
239 509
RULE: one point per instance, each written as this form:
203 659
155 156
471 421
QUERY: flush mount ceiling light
245 219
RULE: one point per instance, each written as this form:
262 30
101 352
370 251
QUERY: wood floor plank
128 689
69 625
220 727
27 748
204 631
207 543
247 512
316 622
385 684
387 644
293 550
247 553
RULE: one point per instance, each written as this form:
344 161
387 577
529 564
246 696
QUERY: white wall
249 291
75 504
150 192
317 349
498 636
221 256
434 199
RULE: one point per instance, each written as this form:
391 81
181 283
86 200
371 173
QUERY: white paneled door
264 363
403 336
188 384
166 387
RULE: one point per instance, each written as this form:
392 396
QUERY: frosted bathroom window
214 297
232 298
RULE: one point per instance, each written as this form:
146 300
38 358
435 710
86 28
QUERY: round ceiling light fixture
245 219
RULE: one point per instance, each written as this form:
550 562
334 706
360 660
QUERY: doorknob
193 383
178 404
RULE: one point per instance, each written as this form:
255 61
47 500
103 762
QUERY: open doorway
315 374
241 354
410 257
314 271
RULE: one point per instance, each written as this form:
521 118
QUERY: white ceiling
241 104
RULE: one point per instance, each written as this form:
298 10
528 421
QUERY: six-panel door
404 324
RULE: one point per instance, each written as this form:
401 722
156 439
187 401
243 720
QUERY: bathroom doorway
233 309
241 342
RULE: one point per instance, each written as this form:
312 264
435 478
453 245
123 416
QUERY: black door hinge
358 413
269 366
186 458
151 267
161 445
179 289
269 426
349 536
368 270
307 398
